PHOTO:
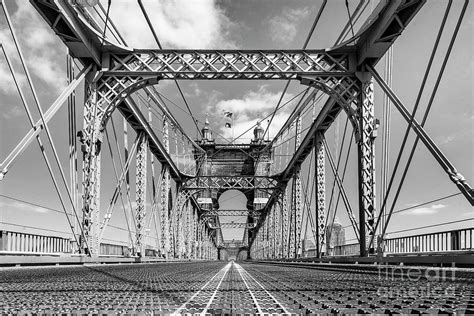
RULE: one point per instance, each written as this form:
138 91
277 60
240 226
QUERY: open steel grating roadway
227 288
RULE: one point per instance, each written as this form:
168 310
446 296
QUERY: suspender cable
350 18
428 108
28 77
341 189
386 118
313 27
339 193
120 190
407 131
337 166
159 45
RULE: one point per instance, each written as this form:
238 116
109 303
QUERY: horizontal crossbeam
229 64
230 213
226 182
234 225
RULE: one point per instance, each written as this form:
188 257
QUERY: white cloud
178 24
446 139
249 109
12 111
18 206
284 27
433 209
7 86
40 47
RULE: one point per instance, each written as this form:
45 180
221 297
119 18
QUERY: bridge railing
455 240
445 241
15 242
20 243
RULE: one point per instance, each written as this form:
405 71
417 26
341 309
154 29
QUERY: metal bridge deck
228 288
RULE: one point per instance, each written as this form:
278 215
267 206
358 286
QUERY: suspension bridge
145 205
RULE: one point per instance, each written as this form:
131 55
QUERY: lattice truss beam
120 72
230 182
230 64
210 213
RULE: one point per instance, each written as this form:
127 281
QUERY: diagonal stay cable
43 120
415 108
155 36
339 192
313 27
418 205
347 204
428 108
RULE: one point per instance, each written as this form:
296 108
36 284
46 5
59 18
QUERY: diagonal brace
341 188
443 161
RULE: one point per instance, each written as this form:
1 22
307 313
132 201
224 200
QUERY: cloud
252 107
284 27
12 111
446 139
178 24
40 47
433 209
18 206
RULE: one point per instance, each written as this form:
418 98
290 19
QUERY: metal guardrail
14 242
455 240
18 243
445 241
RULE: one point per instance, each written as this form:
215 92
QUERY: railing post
456 240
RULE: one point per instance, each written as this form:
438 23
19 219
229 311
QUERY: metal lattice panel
320 195
367 159
223 182
227 64
141 175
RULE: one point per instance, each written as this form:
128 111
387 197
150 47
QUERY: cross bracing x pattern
341 73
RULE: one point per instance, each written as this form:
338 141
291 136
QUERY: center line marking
269 294
239 268
227 267
178 311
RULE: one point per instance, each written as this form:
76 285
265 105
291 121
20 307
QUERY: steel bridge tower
195 173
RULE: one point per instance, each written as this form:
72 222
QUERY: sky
245 24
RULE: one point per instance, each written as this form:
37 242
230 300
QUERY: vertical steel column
320 196
286 224
271 233
71 109
140 193
91 167
194 232
278 230
297 210
366 157
164 197
188 230
179 222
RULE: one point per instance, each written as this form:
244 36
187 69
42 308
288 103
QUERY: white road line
239 268
269 294
227 267
178 311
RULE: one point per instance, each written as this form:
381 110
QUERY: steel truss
233 225
230 182
219 212
320 196
117 72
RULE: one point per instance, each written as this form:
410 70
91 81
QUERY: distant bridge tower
242 167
